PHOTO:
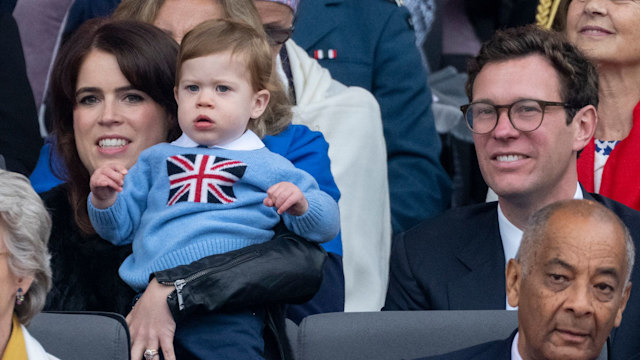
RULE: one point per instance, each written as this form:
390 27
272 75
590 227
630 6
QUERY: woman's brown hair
146 56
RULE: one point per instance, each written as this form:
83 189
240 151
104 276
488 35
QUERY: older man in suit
533 99
570 280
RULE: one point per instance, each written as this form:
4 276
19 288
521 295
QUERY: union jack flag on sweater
203 178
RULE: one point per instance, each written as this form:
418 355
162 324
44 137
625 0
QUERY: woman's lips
112 144
595 31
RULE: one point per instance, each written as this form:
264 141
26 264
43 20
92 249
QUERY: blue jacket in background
375 49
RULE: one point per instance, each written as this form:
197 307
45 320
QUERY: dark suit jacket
494 350
376 50
20 139
456 262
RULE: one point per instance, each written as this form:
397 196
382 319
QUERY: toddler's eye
192 88
222 88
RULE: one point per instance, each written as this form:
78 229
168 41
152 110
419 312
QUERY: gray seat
391 335
82 335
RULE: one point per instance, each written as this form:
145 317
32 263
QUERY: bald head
562 216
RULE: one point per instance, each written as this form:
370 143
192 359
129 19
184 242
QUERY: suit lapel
484 286
314 27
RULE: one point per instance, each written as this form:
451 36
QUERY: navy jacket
456 262
20 139
494 350
375 49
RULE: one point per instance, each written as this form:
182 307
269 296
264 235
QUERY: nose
110 114
596 7
205 99
579 300
504 129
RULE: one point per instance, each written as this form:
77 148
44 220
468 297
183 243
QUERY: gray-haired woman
25 276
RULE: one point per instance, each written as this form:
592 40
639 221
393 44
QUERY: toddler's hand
105 182
285 196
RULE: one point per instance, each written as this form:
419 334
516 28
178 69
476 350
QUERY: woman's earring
19 297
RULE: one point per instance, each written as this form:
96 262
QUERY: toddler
215 189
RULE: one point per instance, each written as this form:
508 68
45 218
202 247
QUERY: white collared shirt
515 353
248 141
511 235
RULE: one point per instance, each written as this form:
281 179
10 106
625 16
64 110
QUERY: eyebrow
607 271
95 89
562 263
599 271
489 101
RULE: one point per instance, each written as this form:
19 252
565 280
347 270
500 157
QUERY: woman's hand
150 322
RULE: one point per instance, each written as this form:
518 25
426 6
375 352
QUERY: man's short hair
578 77
536 229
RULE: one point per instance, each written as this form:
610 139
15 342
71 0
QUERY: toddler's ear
175 93
260 102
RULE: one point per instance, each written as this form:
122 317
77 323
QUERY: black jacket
287 269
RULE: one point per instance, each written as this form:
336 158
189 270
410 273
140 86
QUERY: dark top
20 139
85 268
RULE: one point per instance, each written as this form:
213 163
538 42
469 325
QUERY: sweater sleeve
321 222
308 150
118 223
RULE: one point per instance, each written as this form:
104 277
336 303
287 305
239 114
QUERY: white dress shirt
515 354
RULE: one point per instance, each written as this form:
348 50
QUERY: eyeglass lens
278 36
525 115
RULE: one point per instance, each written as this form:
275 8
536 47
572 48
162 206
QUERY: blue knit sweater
170 207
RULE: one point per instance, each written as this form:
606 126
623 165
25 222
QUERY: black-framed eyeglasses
278 35
524 115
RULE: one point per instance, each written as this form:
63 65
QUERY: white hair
25 227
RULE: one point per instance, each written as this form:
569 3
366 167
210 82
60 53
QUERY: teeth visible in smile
107 143
509 157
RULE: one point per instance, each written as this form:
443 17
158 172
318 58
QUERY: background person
25 276
371 44
19 136
607 33
570 282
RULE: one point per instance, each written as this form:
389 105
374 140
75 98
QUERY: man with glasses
533 98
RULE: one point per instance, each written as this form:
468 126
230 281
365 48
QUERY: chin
507 189
570 353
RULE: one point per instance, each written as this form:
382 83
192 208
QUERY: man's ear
623 304
585 121
260 101
513 276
